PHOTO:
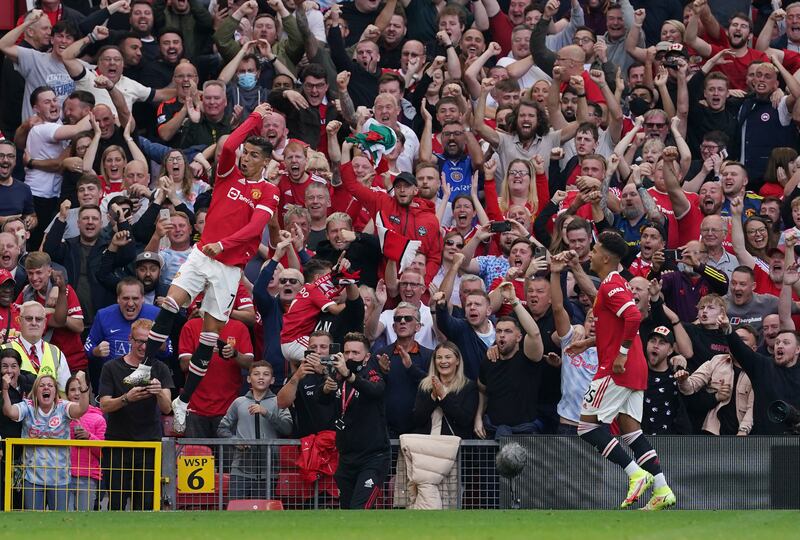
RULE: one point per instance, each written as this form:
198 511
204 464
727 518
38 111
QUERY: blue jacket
271 311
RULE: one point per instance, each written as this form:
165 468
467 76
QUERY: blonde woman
446 399
524 181
46 416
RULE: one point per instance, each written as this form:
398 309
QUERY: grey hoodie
238 423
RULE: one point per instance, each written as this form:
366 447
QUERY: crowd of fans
443 169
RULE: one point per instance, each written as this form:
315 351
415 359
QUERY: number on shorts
588 397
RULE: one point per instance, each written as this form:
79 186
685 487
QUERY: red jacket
415 222
318 460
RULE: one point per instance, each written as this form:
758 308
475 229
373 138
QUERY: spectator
509 386
9 260
664 411
108 336
45 416
214 396
19 385
134 414
38 356
16 196
379 322
404 363
85 471
80 255
208 124
64 324
724 378
745 306
447 401
249 471
473 334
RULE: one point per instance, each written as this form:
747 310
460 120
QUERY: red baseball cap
5 275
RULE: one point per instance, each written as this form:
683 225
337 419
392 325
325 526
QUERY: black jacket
364 416
68 253
364 253
303 124
459 409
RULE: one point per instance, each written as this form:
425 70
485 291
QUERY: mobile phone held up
499 226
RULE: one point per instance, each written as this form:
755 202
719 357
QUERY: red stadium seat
254 504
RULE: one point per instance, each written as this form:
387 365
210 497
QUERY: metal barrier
209 473
38 474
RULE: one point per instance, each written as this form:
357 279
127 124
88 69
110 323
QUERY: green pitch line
402 525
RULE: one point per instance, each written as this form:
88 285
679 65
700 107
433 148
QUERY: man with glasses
456 165
405 363
713 231
16 198
134 414
694 279
38 356
712 152
380 323
309 110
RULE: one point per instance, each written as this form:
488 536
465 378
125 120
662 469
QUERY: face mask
638 106
247 80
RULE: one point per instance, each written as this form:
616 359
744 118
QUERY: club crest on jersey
456 176
422 231
256 194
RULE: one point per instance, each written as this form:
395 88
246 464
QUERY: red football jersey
616 320
664 206
239 209
223 379
304 311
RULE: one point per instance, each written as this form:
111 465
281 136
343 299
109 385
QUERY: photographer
357 392
310 416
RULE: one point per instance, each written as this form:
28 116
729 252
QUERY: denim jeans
36 497
82 491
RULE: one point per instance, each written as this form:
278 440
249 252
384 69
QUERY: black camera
780 412
328 361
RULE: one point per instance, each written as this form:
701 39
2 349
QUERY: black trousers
130 475
360 482
46 210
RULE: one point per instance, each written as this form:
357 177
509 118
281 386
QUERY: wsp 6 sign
196 474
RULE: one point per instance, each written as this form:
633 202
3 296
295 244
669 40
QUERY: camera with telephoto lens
329 362
780 412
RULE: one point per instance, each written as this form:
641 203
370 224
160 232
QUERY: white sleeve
63 373
784 114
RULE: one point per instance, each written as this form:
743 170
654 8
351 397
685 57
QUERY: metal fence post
220 473
269 471
168 471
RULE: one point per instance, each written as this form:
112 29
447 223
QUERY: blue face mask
247 80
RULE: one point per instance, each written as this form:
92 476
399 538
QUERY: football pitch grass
405 525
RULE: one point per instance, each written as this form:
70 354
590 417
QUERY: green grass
405 525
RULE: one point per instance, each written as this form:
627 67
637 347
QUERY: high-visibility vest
48 364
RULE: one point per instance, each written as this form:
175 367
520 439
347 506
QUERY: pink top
86 461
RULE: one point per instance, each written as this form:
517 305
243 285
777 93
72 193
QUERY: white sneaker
139 377
179 408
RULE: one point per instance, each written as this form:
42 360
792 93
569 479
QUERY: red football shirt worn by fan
616 320
240 209
303 313
223 380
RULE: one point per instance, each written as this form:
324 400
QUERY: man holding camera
357 389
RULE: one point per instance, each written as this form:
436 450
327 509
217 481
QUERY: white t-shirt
42 69
131 90
425 337
531 77
42 145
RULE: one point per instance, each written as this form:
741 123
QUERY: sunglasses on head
403 318
285 280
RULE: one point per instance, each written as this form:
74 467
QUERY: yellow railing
18 465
